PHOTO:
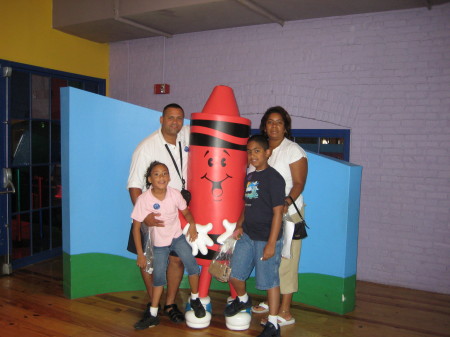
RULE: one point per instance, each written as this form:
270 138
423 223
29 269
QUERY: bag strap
183 182
296 208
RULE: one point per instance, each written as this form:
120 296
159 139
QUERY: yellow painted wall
27 36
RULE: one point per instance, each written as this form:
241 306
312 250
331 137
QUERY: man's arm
134 194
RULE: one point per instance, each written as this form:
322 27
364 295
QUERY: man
168 145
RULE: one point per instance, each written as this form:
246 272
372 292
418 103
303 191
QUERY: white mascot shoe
240 321
198 323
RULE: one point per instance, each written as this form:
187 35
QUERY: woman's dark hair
261 140
153 164
283 113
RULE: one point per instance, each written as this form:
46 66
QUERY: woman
290 160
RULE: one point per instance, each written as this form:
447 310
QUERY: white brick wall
385 76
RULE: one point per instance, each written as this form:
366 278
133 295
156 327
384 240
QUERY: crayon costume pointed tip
221 102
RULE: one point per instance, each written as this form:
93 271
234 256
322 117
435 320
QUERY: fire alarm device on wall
161 89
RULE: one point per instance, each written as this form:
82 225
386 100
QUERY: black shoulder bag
300 227
184 192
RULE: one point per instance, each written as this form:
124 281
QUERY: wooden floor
32 304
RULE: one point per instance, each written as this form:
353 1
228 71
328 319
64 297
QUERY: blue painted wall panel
99 135
329 213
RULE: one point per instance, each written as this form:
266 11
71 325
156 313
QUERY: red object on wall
161 89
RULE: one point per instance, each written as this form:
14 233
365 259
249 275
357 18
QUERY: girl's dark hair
283 113
153 164
261 140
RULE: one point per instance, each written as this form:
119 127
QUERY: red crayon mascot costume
216 172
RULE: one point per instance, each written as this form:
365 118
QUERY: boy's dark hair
261 140
172 105
284 114
153 164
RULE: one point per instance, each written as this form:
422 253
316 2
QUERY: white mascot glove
202 240
229 229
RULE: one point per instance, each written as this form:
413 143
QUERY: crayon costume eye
223 162
210 162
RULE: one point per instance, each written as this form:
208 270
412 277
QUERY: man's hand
202 240
229 229
152 221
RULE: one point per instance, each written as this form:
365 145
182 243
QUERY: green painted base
95 273
331 293
92 274
326 292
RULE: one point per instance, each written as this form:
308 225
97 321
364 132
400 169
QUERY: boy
258 232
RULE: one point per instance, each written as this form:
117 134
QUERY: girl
160 198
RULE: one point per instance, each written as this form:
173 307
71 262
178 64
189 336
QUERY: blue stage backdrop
98 137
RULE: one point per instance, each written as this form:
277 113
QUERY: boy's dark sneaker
236 306
270 331
199 309
147 321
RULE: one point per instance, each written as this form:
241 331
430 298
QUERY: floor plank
32 304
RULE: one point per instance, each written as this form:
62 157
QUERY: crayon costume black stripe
200 139
235 129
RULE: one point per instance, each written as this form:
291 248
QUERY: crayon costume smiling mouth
216 188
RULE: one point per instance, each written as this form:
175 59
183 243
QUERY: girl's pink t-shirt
173 201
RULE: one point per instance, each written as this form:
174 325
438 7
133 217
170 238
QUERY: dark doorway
30 155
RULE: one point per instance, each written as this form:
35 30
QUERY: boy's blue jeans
247 254
161 260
